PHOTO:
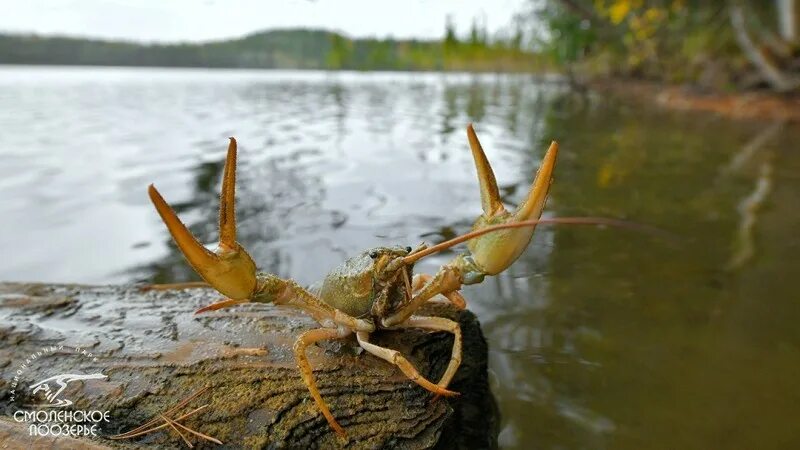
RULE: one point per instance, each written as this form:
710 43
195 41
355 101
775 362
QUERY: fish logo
53 386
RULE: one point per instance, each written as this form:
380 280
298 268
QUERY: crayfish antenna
495 252
229 269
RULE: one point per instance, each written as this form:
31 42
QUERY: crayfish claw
229 269
532 207
495 251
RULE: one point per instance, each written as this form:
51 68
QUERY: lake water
599 338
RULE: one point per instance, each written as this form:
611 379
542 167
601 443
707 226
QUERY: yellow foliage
619 11
654 15
605 175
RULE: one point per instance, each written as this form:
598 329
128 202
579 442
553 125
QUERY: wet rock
154 352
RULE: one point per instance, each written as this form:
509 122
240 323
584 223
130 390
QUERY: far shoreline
551 77
743 105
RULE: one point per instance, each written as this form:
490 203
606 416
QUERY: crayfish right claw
495 251
229 269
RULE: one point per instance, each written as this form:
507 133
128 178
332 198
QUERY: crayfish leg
303 341
440 324
175 286
394 357
453 297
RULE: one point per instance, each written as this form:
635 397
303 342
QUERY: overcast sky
201 20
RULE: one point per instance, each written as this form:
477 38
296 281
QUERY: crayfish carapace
376 289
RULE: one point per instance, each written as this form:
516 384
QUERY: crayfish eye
408 249
373 254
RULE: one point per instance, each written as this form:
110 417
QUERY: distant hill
274 49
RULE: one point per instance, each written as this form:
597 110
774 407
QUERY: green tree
516 40
340 54
475 34
450 38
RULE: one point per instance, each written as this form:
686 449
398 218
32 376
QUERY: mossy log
155 351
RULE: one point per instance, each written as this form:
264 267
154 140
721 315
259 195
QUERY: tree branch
771 73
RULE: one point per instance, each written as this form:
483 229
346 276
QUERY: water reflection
599 338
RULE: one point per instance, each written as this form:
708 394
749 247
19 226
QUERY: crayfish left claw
229 269
495 251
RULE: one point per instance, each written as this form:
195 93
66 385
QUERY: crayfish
376 289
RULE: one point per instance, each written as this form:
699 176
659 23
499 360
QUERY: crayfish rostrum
375 289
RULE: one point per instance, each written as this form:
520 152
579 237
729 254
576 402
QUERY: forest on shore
733 45
724 46
283 49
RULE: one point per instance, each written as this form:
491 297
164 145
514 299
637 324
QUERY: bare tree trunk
787 19
770 72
